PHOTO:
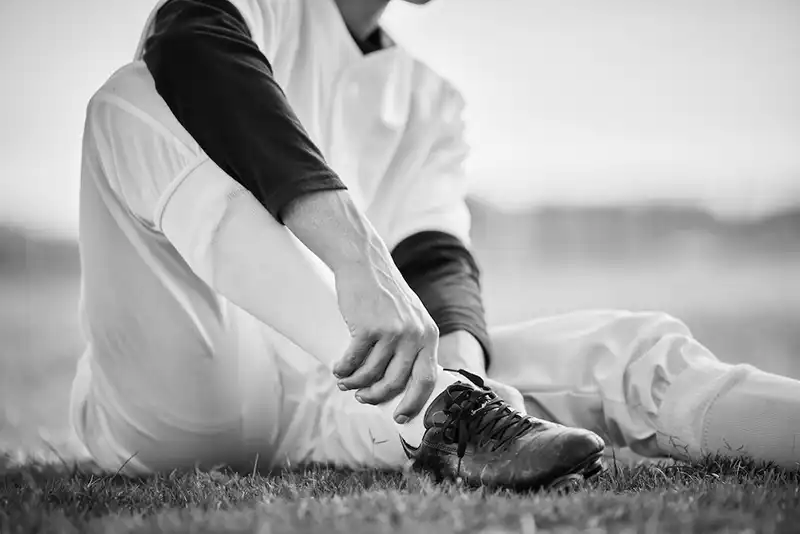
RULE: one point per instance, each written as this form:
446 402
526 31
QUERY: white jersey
386 123
158 291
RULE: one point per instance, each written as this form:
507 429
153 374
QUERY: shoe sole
584 471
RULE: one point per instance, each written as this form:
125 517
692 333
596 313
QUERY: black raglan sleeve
221 88
444 274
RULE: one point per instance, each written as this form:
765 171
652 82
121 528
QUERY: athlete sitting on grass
276 263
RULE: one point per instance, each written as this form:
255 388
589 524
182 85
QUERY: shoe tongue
435 414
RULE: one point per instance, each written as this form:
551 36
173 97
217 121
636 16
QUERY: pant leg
316 421
240 414
641 380
326 425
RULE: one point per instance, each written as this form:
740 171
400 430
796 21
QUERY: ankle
413 429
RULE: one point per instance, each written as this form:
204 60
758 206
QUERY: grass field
710 496
745 311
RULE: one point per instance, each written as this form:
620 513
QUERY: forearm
331 226
337 231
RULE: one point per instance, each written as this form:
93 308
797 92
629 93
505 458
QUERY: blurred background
627 153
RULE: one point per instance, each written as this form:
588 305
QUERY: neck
362 16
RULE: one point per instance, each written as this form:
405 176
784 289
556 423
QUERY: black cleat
474 435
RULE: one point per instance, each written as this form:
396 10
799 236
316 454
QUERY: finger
420 386
396 375
354 356
373 367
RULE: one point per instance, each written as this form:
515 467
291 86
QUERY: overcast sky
570 100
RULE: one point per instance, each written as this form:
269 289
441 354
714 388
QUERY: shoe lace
480 413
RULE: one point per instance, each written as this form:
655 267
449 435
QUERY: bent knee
642 340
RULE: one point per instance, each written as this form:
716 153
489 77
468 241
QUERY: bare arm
334 229
394 338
